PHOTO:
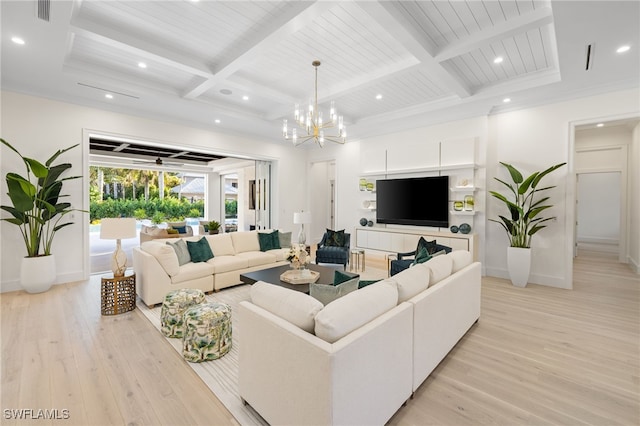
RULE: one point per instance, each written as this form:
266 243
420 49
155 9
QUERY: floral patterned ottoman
207 332
173 307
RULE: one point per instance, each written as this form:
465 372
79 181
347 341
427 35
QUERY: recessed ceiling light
226 91
17 40
506 100
108 96
623 49
217 121
498 59
378 96
245 98
142 65
600 125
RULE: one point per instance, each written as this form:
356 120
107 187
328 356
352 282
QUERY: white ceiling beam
501 31
298 16
386 14
148 50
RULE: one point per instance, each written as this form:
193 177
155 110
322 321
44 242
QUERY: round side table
118 294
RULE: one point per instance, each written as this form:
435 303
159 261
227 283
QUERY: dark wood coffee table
272 276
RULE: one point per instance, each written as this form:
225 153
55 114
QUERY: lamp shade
301 217
117 228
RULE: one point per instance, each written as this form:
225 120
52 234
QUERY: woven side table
118 295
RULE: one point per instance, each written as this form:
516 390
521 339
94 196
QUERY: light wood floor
537 356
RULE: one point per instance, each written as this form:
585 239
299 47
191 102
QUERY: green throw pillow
182 251
421 256
269 241
200 250
328 293
364 283
340 277
335 238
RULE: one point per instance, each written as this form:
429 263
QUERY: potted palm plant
37 212
524 207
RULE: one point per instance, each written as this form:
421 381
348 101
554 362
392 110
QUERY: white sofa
158 271
356 360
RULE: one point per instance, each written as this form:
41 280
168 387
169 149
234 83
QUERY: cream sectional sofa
356 360
158 271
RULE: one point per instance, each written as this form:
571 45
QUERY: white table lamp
117 229
300 218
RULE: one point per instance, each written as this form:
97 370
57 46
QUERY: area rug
221 375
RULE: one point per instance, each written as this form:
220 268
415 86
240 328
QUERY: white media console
399 240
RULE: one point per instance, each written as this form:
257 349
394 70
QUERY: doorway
598 226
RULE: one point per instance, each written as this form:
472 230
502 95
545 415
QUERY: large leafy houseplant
36 209
524 206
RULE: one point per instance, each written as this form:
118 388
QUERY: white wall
354 155
38 127
534 139
634 199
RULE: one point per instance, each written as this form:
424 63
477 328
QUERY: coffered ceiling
245 63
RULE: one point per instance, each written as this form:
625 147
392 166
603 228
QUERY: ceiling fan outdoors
158 162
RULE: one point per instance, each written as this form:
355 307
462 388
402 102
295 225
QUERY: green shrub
158 217
140 214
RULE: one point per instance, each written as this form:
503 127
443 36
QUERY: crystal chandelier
312 125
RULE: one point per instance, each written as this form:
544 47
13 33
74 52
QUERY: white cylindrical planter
37 274
519 265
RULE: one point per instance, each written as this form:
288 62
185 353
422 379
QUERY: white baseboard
540 279
635 265
14 285
598 240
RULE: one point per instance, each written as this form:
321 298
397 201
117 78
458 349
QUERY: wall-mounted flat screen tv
422 201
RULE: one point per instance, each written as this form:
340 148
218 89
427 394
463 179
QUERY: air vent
44 9
589 57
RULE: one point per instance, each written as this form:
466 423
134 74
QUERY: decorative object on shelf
468 202
312 124
370 223
370 186
363 221
298 256
464 183
524 221
363 184
458 205
300 218
464 228
118 228
37 213
454 229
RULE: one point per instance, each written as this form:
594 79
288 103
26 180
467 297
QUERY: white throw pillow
461 259
165 255
354 310
440 267
221 244
298 308
412 281
245 241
